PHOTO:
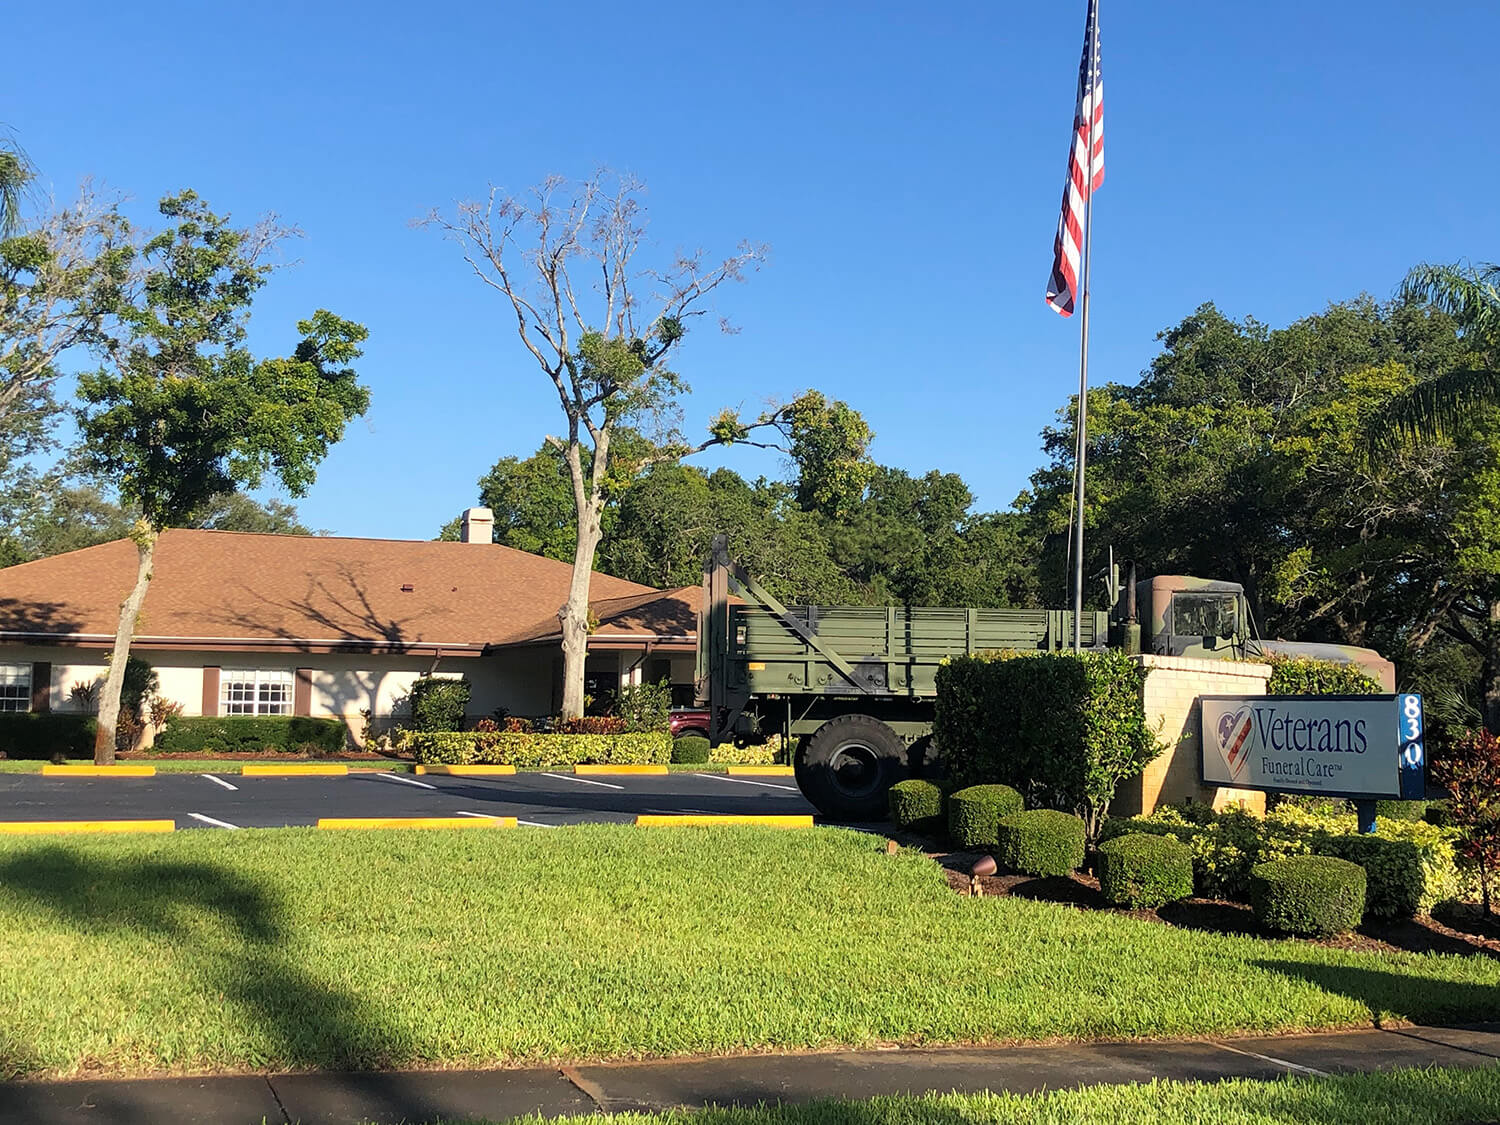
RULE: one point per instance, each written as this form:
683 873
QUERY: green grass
1405 1097
293 948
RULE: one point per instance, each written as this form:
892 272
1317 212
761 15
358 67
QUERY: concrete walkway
416 1096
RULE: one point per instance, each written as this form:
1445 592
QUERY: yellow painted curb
25 827
652 820
652 770
760 771
295 770
99 771
468 771
417 822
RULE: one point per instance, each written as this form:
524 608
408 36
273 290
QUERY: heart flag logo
1234 739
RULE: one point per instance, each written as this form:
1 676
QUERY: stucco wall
1171 705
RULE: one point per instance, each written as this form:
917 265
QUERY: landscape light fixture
984 865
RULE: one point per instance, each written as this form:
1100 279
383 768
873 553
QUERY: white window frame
15 688
255 691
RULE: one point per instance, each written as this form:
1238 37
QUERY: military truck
852 689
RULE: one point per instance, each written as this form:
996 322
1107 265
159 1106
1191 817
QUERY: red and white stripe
1085 172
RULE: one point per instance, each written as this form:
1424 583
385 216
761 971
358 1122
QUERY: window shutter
210 690
302 692
41 686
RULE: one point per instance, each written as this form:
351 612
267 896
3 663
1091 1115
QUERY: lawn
1407 1097
292 948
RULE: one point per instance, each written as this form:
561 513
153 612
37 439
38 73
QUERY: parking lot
229 800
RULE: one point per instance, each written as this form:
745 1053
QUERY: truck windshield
1205 615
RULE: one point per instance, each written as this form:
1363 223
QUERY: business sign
1359 746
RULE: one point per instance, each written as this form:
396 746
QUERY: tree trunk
1492 670
130 609
574 615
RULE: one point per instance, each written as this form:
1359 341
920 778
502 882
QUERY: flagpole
1082 429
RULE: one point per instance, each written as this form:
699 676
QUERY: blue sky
904 165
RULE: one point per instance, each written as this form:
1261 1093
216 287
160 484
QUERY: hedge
1308 895
439 703
241 733
1062 729
41 737
529 749
1144 871
1303 675
1040 842
690 749
974 813
918 806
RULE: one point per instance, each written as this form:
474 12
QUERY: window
259 691
1205 615
15 687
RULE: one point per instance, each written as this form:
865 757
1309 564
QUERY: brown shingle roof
303 590
661 615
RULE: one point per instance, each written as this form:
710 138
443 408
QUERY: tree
15 174
182 411
605 351
1470 771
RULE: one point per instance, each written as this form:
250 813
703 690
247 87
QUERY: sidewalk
419 1096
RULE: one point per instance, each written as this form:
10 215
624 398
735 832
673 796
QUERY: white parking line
492 816
219 781
747 781
1313 1071
582 780
406 780
211 820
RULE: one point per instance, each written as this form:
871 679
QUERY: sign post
1358 747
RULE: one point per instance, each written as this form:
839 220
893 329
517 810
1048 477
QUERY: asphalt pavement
229 800
415 1097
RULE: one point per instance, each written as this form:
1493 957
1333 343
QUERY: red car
689 720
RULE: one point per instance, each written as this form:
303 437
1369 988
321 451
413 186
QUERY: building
243 624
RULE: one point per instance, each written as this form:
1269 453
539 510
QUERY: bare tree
602 328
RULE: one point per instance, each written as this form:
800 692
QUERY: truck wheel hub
856 770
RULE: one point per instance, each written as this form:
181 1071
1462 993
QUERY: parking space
224 801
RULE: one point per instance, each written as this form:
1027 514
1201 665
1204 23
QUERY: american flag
1084 176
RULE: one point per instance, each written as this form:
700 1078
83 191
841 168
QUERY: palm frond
1433 409
15 173
1469 294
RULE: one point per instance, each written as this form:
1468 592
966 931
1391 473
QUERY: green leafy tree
183 412
606 352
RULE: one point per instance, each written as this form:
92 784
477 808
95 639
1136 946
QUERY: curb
654 771
28 827
468 771
337 822
760 771
319 770
689 820
98 771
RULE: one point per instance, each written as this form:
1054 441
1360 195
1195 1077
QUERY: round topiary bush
918 806
690 749
974 812
1143 871
1308 895
1040 842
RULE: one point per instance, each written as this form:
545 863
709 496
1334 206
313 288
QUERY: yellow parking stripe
26 827
652 770
653 820
760 771
318 769
99 771
468 771
416 822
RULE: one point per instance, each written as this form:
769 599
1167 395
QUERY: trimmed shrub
751 754
33 737
1393 872
252 733
1302 675
1062 729
1308 895
1401 810
590 724
1041 842
532 750
1142 870
439 703
692 749
974 813
918 805
645 706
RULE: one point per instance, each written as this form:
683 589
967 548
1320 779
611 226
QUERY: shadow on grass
1409 996
229 934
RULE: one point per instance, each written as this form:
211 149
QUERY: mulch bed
1461 930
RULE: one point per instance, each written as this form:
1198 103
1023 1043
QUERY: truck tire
848 766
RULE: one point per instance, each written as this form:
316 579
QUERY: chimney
478 526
